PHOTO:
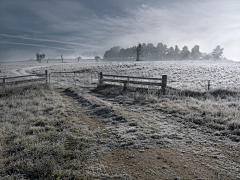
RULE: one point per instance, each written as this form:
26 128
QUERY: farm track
153 145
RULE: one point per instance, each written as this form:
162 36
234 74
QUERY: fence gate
84 78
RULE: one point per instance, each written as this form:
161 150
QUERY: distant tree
96 57
206 56
196 54
62 58
217 52
165 51
150 50
78 58
113 52
184 54
40 57
160 50
138 50
176 52
170 53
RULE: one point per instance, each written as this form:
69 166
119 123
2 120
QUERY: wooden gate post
100 79
164 83
46 76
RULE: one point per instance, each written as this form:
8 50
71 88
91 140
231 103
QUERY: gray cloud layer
93 25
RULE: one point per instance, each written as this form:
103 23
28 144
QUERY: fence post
208 85
125 85
74 79
4 81
164 83
100 78
46 76
49 78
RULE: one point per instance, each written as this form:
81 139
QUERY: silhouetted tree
113 52
40 57
176 52
184 54
217 52
96 57
196 54
170 53
162 52
138 51
78 58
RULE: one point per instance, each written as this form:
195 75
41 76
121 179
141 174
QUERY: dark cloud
94 25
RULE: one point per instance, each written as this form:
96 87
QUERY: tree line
162 52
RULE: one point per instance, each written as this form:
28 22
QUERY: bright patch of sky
80 27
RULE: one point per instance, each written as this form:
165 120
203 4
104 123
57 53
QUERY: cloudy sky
82 27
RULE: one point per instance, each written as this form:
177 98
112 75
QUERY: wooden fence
126 80
41 77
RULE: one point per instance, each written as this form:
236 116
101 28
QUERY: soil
151 145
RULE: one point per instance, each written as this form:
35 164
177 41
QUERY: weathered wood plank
13 77
132 82
133 77
23 81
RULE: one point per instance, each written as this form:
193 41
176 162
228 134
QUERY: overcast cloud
83 27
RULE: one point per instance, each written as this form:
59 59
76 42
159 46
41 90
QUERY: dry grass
217 110
40 136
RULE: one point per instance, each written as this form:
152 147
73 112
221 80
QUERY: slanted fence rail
126 80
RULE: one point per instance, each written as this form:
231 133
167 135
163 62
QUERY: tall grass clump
40 135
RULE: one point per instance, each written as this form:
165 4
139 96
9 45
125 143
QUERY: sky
81 27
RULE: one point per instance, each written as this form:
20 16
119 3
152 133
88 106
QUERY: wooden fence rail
43 77
126 80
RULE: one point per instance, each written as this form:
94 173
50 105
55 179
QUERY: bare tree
40 57
78 58
138 50
96 57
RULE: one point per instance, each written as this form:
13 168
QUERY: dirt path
152 145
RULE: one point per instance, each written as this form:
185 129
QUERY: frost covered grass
40 136
190 75
218 110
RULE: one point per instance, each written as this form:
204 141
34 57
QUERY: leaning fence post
208 85
46 76
100 78
49 78
164 83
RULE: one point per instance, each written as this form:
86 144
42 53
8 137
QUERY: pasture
108 133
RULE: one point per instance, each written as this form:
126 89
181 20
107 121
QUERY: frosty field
191 75
91 132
